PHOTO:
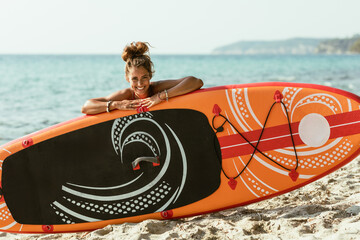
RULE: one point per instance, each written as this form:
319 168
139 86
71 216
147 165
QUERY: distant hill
340 45
293 46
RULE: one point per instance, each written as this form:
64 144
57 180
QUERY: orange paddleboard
213 149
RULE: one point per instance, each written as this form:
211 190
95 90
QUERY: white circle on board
314 130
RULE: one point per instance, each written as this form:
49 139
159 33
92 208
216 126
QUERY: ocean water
37 91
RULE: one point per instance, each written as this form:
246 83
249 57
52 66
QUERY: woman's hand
126 104
151 101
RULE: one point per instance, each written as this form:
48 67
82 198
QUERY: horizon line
176 54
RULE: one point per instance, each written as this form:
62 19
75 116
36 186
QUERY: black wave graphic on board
87 175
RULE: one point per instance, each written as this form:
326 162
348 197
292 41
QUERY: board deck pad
49 189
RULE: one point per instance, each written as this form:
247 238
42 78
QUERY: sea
38 91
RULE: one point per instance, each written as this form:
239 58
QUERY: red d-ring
232 183
27 143
293 175
167 214
142 109
156 164
48 228
278 96
137 167
216 110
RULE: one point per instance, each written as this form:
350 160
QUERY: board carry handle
154 160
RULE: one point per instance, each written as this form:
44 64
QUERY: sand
326 209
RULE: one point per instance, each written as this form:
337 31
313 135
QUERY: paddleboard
213 149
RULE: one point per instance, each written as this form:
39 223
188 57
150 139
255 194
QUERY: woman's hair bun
136 55
135 49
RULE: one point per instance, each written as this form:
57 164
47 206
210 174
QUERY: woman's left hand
151 101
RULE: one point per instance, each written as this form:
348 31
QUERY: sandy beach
326 209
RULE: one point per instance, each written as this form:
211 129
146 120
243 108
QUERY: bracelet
108 106
166 95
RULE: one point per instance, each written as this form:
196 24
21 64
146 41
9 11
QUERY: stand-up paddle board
213 149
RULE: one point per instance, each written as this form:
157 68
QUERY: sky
170 26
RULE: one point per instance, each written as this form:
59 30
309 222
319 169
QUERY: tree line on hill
294 46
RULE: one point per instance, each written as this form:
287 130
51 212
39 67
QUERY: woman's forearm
93 106
188 84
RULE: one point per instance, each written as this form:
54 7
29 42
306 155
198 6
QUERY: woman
142 92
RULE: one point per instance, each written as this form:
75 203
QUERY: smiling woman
142 92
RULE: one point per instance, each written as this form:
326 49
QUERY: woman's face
139 79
